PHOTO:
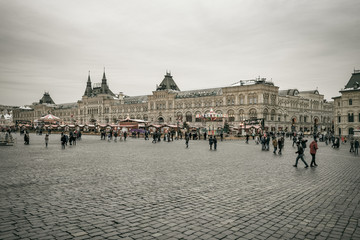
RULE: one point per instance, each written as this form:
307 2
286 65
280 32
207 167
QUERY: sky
52 45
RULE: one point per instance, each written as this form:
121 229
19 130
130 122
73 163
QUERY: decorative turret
104 87
46 99
168 83
88 90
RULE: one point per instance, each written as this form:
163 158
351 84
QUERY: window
350 117
198 117
231 115
272 115
241 99
339 119
350 103
351 131
252 113
188 117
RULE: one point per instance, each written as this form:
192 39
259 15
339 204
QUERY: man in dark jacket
215 142
300 153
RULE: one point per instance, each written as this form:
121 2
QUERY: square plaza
140 190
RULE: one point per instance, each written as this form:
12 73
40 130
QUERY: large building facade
288 110
347 107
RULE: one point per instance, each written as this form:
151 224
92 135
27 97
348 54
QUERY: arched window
241 115
145 117
198 116
188 117
179 116
252 113
161 120
219 112
272 115
265 114
231 115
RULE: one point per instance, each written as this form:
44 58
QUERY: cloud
52 45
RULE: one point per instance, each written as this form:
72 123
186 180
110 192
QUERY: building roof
200 93
289 92
66 105
354 81
311 92
168 83
46 99
135 99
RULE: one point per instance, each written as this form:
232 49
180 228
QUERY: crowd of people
277 140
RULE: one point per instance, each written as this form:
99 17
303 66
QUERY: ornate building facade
253 99
347 107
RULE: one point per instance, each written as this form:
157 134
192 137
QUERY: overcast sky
51 45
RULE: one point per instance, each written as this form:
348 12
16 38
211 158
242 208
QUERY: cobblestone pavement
139 190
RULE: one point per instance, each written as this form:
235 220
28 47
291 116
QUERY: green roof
168 83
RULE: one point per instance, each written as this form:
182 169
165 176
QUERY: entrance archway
161 120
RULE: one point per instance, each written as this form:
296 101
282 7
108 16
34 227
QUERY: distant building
347 107
288 110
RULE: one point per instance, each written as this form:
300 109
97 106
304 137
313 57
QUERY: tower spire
104 77
88 89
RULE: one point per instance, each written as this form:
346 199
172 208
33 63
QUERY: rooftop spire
104 77
88 89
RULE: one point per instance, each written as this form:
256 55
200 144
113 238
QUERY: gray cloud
51 45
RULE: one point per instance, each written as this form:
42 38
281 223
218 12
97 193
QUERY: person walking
268 142
281 144
300 153
352 145
294 141
313 148
356 145
210 142
63 140
26 138
115 136
275 144
215 142
187 138
46 140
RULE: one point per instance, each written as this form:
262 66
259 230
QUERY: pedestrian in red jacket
313 148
